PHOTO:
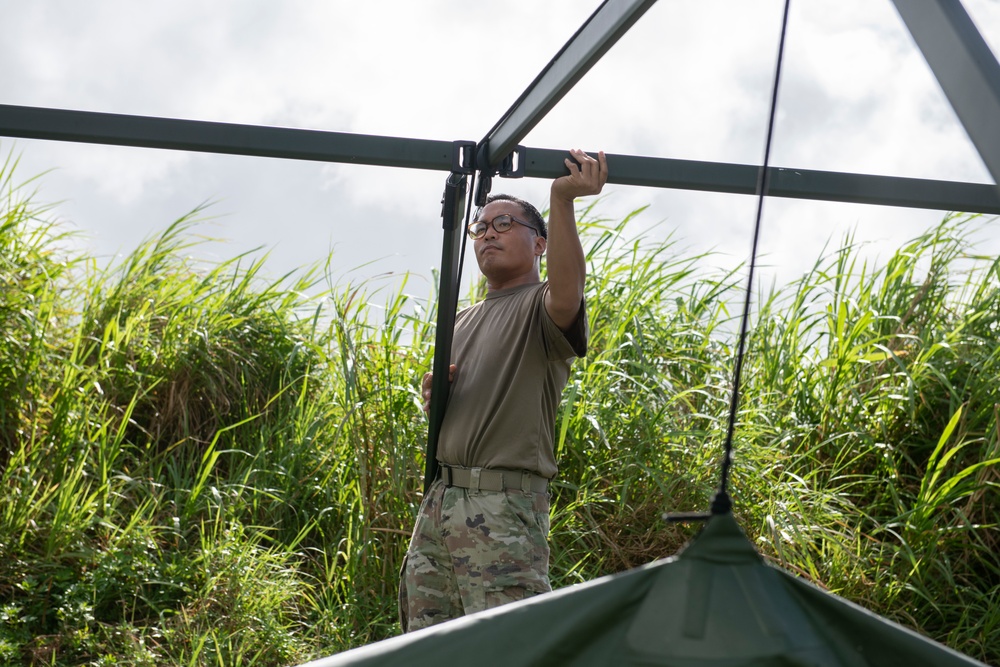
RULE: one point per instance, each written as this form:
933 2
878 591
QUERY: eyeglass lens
501 223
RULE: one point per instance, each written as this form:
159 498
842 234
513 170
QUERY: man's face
505 257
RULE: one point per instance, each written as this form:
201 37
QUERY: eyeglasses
501 223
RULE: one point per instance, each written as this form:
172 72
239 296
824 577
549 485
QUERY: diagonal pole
598 34
964 66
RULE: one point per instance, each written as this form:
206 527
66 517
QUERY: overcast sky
690 80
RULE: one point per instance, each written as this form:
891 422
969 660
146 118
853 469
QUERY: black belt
493 479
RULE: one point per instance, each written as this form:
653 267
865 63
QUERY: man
481 537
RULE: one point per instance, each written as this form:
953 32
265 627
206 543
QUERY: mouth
487 248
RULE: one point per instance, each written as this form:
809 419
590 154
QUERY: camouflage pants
473 550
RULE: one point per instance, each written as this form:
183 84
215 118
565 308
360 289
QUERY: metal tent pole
452 209
964 66
324 146
598 34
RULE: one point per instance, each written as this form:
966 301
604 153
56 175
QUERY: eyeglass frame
488 223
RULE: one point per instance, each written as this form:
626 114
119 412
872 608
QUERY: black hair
530 212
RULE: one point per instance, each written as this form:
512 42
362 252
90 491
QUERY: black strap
442 350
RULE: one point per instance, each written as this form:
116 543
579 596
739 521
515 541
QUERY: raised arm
565 261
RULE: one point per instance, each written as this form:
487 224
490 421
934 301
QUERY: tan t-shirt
512 363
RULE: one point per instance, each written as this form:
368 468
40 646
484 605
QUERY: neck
493 285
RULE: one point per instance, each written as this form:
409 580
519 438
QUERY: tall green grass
200 464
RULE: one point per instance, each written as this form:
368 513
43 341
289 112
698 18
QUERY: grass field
204 466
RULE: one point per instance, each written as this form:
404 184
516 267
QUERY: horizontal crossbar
227 138
784 182
323 146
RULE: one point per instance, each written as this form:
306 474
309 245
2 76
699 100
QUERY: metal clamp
463 157
512 166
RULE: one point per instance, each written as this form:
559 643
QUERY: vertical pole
452 208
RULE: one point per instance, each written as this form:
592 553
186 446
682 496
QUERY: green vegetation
201 466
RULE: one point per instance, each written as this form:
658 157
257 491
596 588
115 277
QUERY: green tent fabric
716 603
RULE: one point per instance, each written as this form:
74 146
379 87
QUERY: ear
540 245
